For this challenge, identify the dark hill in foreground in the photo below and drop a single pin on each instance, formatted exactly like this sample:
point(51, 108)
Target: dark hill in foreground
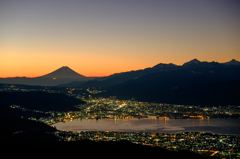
point(90, 149)
point(40, 101)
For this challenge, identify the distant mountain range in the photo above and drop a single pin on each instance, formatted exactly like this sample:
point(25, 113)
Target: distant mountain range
point(197, 86)
point(119, 78)
point(66, 77)
point(195, 82)
point(62, 75)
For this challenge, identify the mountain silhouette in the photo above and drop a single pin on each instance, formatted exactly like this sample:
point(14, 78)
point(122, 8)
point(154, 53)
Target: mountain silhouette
point(62, 75)
point(66, 77)
point(63, 72)
point(119, 78)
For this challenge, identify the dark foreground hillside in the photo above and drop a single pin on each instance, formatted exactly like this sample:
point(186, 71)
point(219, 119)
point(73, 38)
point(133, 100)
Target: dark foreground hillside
point(40, 101)
point(90, 149)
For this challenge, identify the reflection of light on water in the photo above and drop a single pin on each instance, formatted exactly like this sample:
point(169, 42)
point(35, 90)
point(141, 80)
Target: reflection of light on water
point(147, 125)
point(166, 121)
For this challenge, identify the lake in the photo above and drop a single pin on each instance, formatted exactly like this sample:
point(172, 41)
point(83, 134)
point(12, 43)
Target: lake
point(213, 125)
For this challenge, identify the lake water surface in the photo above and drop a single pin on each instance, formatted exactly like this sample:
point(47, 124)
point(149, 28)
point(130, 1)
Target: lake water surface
point(217, 126)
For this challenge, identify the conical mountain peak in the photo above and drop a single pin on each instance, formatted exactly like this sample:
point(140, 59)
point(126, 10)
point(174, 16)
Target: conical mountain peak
point(64, 67)
point(63, 72)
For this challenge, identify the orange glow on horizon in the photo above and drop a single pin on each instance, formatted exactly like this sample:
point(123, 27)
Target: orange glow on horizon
point(31, 71)
point(19, 62)
point(98, 39)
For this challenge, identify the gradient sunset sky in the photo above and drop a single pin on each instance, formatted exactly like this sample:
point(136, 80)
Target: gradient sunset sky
point(102, 37)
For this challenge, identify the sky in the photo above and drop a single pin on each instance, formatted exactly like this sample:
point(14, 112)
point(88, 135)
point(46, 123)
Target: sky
point(103, 37)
